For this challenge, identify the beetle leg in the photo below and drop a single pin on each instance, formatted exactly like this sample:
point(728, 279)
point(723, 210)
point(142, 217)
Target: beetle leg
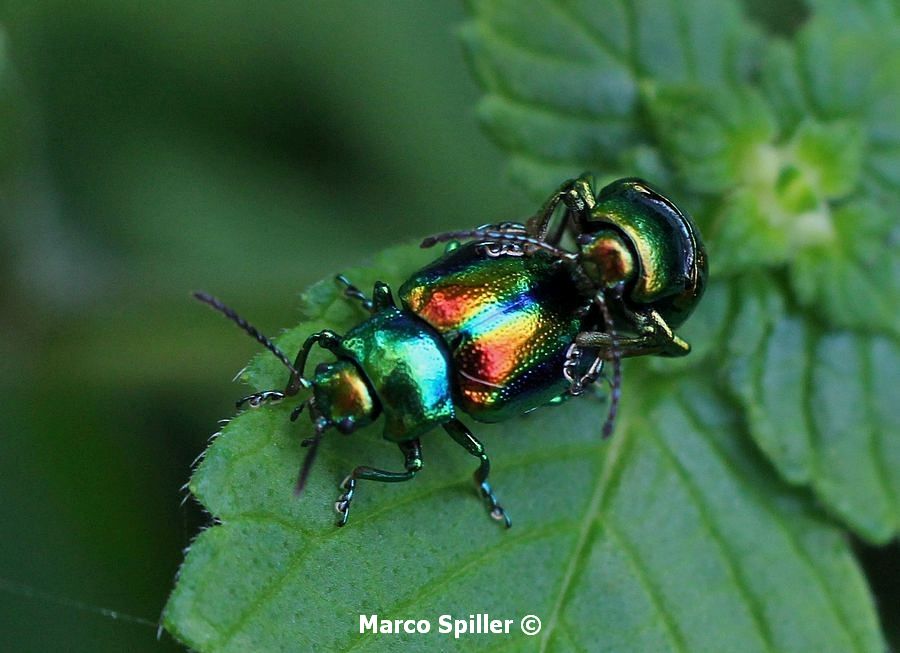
point(412, 454)
point(463, 436)
point(382, 297)
point(577, 195)
point(656, 338)
point(328, 340)
point(579, 381)
point(500, 248)
point(653, 324)
point(257, 399)
point(632, 346)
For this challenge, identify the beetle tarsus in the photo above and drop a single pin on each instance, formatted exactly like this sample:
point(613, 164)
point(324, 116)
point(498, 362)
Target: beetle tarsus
point(257, 399)
point(342, 505)
point(499, 514)
point(495, 510)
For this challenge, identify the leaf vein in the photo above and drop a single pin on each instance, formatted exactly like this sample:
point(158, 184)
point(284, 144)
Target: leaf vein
point(779, 521)
point(555, 111)
point(644, 579)
point(514, 43)
point(595, 38)
point(734, 570)
point(610, 465)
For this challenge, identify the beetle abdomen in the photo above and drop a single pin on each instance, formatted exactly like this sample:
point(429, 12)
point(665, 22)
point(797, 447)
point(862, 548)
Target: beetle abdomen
point(509, 321)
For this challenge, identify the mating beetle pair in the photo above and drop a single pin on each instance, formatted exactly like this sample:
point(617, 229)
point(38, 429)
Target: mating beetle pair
point(502, 324)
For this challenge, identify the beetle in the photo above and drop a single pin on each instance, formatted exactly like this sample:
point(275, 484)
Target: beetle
point(501, 324)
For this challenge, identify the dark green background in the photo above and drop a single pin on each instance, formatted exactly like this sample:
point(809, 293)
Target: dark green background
point(150, 149)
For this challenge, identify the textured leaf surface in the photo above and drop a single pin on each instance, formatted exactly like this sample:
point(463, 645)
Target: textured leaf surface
point(563, 79)
point(818, 406)
point(793, 175)
point(673, 535)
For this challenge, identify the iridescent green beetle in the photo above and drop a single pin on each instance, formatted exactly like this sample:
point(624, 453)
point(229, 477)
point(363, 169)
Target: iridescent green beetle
point(502, 325)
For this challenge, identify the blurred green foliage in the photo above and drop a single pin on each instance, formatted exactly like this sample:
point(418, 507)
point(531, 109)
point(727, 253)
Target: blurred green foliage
point(150, 149)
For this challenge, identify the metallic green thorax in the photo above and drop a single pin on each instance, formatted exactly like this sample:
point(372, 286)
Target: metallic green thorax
point(671, 260)
point(509, 320)
point(409, 366)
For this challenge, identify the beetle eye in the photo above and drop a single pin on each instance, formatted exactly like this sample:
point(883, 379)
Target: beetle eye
point(606, 258)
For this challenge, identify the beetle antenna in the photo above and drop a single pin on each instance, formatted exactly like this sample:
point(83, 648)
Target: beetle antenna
point(232, 315)
point(492, 234)
point(616, 357)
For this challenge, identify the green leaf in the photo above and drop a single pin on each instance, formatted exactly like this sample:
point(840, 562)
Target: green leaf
point(712, 136)
point(704, 331)
point(857, 14)
point(830, 154)
point(835, 73)
point(745, 236)
point(851, 279)
point(817, 405)
point(673, 535)
point(563, 78)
